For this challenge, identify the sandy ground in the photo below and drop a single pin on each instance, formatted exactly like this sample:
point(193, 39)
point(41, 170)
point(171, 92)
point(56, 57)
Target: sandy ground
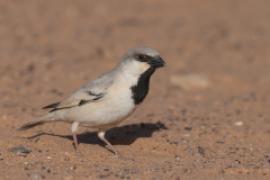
point(206, 117)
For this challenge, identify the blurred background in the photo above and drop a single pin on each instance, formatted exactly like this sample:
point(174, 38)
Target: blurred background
point(207, 114)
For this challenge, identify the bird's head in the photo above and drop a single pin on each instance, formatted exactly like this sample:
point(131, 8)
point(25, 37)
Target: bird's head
point(140, 60)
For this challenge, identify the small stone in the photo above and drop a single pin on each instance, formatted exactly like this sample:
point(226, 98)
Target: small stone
point(201, 151)
point(238, 123)
point(68, 178)
point(20, 150)
point(220, 142)
point(35, 176)
point(106, 169)
point(190, 81)
point(72, 168)
point(186, 135)
point(188, 128)
point(49, 157)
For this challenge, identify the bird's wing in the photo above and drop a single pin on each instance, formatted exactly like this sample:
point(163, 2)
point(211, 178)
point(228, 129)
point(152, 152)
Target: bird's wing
point(91, 92)
point(77, 99)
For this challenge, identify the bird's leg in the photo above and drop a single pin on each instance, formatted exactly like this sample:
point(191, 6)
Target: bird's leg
point(101, 135)
point(74, 128)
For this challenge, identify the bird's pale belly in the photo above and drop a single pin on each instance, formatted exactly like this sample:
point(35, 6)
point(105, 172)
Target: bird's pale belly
point(109, 111)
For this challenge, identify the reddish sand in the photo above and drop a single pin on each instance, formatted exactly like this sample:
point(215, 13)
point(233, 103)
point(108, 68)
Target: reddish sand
point(207, 114)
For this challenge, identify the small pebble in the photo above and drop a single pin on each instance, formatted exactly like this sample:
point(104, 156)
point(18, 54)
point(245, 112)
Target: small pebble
point(201, 151)
point(190, 81)
point(186, 135)
point(20, 150)
point(188, 128)
point(68, 178)
point(49, 157)
point(177, 158)
point(238, 123)
point(72, 168)
point(35, 176)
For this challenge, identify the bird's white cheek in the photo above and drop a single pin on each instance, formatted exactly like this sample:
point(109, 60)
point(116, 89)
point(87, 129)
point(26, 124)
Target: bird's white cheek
point(144, 67)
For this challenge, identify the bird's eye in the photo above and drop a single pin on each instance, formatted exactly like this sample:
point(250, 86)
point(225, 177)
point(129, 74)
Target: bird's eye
point(143, 57)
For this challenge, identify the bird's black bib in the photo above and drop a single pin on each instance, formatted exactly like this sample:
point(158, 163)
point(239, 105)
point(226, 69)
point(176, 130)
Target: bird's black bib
point(140, 90)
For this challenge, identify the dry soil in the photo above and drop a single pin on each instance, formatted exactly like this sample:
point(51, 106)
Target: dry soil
point(207, 114)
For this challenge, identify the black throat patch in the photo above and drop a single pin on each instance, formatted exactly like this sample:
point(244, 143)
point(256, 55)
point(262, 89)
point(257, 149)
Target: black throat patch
point(140, 90)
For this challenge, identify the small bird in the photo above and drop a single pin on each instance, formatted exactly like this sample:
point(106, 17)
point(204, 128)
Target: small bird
point(108, 100)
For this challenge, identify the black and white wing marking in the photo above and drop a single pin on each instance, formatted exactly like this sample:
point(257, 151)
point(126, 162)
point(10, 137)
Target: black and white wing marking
point(77, 99)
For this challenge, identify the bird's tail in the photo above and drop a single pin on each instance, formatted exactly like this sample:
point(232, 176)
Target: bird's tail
point(36, 122)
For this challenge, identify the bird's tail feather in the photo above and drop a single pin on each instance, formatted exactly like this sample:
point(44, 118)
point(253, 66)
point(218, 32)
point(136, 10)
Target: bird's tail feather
point(36, 122)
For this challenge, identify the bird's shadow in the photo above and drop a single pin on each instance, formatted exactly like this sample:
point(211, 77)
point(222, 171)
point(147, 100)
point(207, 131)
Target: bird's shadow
point(123, 135)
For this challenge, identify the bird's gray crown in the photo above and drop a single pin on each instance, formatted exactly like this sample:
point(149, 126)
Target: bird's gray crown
point(135, 52)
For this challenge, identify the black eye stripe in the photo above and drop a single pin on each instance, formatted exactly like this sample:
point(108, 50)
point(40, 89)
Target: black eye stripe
point(143, 57)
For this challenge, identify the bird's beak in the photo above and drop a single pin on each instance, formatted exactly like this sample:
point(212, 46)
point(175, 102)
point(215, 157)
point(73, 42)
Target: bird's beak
point(157, 62)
